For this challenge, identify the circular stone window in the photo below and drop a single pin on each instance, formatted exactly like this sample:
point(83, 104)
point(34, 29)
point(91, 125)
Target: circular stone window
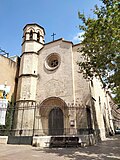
point(52, 62)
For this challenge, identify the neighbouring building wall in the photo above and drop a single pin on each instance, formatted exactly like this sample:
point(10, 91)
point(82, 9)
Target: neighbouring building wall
point(102, 108)
point(8, 74)
point(115, 114)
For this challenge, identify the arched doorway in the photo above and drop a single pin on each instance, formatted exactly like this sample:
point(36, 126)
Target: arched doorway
point(54, 110)
point(56, 121)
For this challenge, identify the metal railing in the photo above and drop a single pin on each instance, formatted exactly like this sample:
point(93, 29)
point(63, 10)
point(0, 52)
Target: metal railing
point(10, 128)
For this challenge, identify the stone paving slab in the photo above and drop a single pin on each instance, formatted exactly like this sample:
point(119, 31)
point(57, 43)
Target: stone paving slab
point(107, 150)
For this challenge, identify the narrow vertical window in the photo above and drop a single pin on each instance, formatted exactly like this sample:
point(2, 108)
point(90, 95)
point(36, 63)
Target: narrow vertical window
point(31, 35)
point(38, 37)
point(99, 101)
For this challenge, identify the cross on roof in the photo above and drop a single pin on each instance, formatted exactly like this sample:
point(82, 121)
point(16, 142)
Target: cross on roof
point(53, 35)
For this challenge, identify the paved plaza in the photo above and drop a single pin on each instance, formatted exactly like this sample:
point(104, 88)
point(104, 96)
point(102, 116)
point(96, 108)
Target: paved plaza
point(107, 150)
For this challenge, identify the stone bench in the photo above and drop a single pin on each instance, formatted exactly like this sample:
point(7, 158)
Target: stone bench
point(65, 142)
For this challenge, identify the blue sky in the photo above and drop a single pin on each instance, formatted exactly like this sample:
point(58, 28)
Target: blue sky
point(58, 16)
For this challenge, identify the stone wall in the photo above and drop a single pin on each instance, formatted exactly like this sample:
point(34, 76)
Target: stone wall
point(58, 82)
point(81, 85)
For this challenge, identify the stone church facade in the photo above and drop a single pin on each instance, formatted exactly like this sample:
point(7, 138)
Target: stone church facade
point(53, 97)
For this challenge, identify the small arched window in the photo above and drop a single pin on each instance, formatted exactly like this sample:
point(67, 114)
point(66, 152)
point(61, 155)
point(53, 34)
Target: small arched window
point(31, 35)
point(38, 36)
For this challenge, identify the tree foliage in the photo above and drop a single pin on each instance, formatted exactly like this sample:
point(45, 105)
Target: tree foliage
point(101, 45)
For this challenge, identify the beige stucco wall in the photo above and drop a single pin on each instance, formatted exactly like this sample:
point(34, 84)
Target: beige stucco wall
point(8, 69)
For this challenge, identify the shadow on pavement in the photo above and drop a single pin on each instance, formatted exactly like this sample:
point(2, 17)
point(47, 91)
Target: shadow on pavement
point(107, 150)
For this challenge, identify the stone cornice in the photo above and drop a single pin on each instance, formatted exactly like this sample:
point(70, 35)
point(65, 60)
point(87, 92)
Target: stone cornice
point(29, 53)
point(28, 75)
point(61, 39)
point(31, 41)
point(25, 100)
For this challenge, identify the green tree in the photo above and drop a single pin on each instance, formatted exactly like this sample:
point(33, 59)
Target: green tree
point(101, 45)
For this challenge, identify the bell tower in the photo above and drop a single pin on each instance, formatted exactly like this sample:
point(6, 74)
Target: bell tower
point(33, 41)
